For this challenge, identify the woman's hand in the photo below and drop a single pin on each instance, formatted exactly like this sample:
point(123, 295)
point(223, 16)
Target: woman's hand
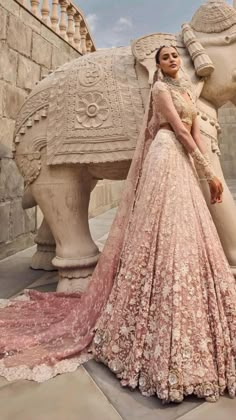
point(216, 189)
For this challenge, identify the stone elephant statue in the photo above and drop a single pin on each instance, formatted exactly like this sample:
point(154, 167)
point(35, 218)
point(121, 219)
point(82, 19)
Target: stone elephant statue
point(81, 123)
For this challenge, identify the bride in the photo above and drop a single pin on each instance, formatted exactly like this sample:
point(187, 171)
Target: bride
point(160, 309)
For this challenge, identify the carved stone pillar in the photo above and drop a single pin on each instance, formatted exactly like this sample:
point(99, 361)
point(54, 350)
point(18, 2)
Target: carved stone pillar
point(63, 21)
point(89, 45)
point(83, 33)
point(77, 36)
point(35, 7)
point(70, 30)
point(45, 10)
point(54, 16)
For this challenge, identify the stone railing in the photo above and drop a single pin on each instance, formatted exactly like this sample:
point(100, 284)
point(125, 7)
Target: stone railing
point(65, 19)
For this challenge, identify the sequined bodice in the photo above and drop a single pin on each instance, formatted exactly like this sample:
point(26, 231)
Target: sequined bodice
point(186, 108)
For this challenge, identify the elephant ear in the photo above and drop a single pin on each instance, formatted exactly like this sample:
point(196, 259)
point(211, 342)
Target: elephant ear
point(144, 50)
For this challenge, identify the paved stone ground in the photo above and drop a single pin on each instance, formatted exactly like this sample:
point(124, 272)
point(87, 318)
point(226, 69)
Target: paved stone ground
point(92, 392)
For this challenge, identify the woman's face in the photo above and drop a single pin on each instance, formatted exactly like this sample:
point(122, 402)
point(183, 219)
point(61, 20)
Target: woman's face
point(169, 61)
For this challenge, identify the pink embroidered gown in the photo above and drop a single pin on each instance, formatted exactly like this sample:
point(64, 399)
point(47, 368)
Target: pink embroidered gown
point(162, 300)
point(169, 326)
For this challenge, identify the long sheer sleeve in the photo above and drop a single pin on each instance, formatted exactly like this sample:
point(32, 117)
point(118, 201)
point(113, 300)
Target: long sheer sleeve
point(196, 134)
point(164, 105)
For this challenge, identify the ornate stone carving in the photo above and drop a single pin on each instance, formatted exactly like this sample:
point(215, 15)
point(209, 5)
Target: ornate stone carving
point(90, 74)
point(35, 103)
point(29, 162)
point(92, 110)
point(28, 153)
point(29, 166)
point(214, 16)
point(146, 46)
point(201, 60)
point(93, 116)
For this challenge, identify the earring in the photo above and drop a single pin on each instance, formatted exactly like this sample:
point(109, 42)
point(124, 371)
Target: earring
point(155, 76)
point(160, 74)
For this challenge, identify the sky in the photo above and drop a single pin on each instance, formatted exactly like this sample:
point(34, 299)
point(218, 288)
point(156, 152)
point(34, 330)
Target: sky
point(115, 23)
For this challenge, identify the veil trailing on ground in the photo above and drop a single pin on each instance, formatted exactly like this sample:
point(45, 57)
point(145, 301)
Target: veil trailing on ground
point(44, 334)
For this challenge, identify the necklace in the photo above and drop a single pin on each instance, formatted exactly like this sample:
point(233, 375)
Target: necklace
point(181, 85)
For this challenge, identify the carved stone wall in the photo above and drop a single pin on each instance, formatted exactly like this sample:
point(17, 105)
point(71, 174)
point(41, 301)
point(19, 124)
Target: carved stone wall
point(227, 140)
point(28, 51)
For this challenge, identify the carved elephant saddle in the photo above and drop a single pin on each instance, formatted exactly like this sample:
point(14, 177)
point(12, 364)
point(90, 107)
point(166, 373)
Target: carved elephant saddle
point(93, 108)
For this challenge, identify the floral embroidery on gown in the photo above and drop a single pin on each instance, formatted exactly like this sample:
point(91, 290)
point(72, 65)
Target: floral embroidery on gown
point(170, 323)
point(169, 326)
point(162, 300)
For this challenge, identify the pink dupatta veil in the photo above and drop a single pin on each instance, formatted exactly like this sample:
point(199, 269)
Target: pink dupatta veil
point(49, 333)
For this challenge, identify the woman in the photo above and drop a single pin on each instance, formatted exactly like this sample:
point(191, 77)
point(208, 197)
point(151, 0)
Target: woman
point(160, 309)
point(170, 323)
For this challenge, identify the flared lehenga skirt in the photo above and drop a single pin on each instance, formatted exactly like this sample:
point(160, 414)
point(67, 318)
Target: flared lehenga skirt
point(169, 326)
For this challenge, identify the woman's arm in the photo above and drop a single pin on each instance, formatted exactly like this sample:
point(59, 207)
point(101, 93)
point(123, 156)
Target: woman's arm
point(165, 105)
point(196, 135)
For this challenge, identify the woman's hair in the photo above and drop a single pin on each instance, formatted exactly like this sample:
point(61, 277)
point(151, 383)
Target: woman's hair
point(157, 56)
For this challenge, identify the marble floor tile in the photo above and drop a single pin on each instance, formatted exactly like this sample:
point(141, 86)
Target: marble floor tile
point(131, 404)
point(224, 409)
point(73, 396)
